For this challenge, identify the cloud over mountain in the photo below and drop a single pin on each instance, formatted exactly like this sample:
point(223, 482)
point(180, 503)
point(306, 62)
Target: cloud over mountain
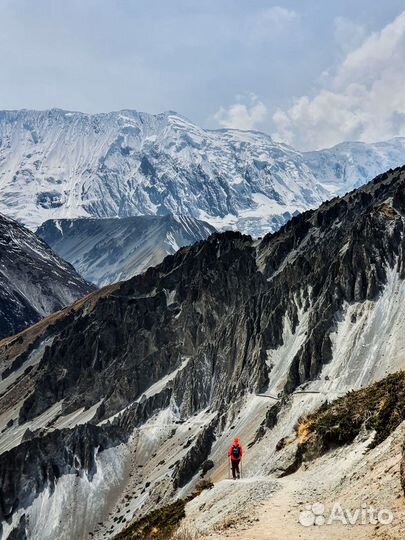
point(362, 100)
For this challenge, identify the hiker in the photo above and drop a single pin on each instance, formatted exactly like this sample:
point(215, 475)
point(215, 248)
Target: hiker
point(235, 453)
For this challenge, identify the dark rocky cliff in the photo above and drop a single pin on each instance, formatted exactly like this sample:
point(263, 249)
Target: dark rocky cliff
point(34, 281)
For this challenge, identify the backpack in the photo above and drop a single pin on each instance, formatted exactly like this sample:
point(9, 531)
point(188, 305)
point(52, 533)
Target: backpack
point(236, 451)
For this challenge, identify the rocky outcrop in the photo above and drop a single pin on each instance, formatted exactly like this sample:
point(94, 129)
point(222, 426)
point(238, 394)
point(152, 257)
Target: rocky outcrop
point(288, 460)
point(341, 252)
point(138, 327)
point(195, 458)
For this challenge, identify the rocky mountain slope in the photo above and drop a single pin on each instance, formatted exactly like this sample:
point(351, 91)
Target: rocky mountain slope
point(34, 281)
point(56, 164)
point(120, 400)
point(104, 251)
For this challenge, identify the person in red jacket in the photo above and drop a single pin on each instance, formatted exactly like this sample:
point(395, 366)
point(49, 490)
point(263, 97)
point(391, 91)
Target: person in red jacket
point(235, 453)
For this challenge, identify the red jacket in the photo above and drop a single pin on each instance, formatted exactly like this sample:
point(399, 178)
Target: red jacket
point(230, 454)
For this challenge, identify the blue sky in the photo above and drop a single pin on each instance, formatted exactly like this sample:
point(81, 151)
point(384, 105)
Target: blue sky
point(309, 72)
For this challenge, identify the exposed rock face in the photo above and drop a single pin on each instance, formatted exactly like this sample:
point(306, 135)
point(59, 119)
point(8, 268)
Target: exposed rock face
point(20, 532)
point(104, 251)
point(42, 461)
point(196, 457)
point(158, 319)
point(34, 281)
point(288, 460)
point(195, 336)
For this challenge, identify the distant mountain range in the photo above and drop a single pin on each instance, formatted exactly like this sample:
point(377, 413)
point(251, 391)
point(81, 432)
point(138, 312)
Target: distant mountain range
point(104, 251)
point(349, 165)
point(56, 164)
point(34, 281)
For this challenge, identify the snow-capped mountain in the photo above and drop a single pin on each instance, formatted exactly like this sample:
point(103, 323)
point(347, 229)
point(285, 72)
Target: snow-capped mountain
point(349, 165)
point(34, 281)
point(104, 251)
point(56, 164)
point(132, 394)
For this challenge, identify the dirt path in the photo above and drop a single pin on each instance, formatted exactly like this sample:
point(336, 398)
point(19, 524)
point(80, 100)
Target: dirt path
point(265, 508)
point(278, 519)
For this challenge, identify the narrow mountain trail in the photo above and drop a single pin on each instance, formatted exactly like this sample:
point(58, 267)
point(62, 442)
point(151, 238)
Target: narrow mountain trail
point(347, 482)
point(278, 519)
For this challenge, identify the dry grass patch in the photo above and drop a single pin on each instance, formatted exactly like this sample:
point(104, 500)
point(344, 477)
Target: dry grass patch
point(160, 524)
point(379, 407)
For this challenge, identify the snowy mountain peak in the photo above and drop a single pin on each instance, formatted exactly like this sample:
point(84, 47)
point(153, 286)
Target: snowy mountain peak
point(349, 165)
point(63, 164)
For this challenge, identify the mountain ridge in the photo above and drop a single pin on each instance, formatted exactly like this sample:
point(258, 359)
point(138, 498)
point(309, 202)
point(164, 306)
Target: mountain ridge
point(34, 280)
point(56, 164)
point(107, 250)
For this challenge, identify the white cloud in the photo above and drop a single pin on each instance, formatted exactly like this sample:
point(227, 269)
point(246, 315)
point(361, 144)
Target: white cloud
point(246, 113)
point(363, 100)
point(348, 34)
point(270, 24)
point(278, 17)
